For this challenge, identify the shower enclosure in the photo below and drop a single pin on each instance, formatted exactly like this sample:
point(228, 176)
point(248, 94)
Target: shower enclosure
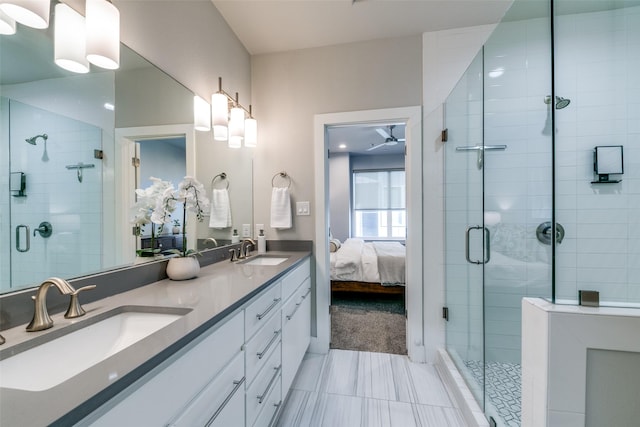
point(526, 214)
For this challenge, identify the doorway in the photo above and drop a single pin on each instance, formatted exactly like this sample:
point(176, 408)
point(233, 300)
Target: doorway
point(412, 117)
point(367, 223)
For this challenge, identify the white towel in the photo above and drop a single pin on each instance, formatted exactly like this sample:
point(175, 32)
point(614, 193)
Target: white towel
point(220, 209)
point(280, 208)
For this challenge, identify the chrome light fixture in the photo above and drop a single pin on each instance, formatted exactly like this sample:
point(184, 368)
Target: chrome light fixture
point(32, 13)
point(7, 24)
point(201, 114)
point(70, 36)
point(228, 120)
point(103, 34)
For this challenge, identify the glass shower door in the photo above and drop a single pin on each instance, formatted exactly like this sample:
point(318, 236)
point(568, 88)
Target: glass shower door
point(464, 229)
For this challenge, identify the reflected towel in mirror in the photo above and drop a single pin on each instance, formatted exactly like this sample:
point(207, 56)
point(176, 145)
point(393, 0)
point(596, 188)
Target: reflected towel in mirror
point(280, 208)
point(220, 209)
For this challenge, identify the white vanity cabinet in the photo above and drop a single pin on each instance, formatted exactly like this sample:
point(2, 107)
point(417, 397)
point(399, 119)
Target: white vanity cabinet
point(234, 375)
point(199, 382)
point(296, 321)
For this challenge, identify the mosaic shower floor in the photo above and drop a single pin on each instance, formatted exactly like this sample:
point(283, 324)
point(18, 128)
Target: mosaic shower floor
point(503, 389)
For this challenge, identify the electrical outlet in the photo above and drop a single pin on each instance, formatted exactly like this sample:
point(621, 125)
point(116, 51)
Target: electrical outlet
point(246, 230)
point(302, 208)
point(258, 228)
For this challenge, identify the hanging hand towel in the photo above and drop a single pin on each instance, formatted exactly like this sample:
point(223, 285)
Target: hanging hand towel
point(280, 208)
point(220, 209)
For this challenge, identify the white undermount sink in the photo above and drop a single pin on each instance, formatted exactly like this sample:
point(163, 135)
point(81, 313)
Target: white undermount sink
point(87, 343)
point(266, 260)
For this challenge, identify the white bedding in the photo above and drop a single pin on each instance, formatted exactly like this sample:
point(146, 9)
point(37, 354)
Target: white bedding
point(357, 261)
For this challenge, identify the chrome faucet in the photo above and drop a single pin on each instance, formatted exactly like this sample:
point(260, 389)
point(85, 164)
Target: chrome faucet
point(41, 319)
point(244, 251)
point(211, 239)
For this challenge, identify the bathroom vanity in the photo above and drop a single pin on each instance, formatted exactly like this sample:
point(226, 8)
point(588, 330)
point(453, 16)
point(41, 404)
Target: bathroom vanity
point(220, 350)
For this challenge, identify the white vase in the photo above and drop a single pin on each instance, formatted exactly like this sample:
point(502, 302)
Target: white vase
point(183, 268)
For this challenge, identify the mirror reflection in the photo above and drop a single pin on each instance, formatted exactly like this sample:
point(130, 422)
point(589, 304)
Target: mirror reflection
point(67, 169)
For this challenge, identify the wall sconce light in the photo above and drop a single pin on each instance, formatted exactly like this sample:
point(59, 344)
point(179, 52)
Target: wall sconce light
point(201, 114)
point(103, 34)
point(229, 124)
point(7, 24)
point(70, 35)
point(32, 13)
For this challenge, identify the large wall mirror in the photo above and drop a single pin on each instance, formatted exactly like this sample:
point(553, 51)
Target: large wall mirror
point(67, 179)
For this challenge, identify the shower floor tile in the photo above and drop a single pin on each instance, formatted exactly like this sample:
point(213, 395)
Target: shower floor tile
point(503, 390)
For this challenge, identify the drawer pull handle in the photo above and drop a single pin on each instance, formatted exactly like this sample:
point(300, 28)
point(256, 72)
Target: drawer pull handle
point(298, 304)
point(226, 400)
point(273, 304)
point(273, 418)
point(276, 334)
point(273, 380)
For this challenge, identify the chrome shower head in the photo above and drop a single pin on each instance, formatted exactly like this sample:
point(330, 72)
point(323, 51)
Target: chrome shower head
point(562, 102)
point(33, 139)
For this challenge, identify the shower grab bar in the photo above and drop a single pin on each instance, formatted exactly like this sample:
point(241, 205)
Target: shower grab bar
point(28, 234)
point(487, 243)
point(481, 147)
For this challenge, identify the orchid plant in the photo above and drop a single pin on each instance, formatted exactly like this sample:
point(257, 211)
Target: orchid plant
point(191, 194)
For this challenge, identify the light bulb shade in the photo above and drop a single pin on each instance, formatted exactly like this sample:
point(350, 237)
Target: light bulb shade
point(103, 34)
point(220, 133)
point(235, 141)
point(250, 132)
point(7, 24)
point(201, 114)
point(219, 109)
point(70, 37)
point(32, 13)
point(236, 123)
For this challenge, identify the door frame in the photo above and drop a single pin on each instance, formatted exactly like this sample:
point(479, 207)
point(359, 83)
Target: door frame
point(125, 179)
point(412, 116)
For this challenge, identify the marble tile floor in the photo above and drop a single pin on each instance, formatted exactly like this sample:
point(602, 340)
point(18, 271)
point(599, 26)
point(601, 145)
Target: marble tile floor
point(361, 389)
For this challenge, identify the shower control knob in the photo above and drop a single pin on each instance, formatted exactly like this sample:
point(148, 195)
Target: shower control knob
point(45, 229)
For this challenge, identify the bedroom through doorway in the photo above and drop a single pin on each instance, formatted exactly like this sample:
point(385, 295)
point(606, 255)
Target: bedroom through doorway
point(368, 229)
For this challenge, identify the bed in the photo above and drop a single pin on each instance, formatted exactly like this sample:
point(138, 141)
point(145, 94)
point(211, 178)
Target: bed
point(367, 267)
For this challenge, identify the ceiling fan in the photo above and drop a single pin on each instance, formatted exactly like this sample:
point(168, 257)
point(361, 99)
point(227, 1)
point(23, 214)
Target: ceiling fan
point(389, 139)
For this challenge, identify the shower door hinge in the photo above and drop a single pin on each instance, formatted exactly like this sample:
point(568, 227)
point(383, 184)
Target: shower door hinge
point(445, 135)
point(135, 162)
point(445, 313)
point(406, 314)
point(98, 154)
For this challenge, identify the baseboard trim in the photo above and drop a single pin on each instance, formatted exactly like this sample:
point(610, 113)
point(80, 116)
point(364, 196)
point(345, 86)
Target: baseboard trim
point(458, 390)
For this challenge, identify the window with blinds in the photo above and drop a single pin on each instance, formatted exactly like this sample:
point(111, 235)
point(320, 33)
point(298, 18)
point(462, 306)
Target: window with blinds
point(379, 204)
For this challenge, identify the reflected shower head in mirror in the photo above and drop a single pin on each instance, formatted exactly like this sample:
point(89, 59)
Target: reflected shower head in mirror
point(561, 102)
point(33, 139)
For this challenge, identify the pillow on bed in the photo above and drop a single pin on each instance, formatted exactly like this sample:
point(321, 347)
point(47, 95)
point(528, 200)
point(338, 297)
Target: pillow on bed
point(334, 245)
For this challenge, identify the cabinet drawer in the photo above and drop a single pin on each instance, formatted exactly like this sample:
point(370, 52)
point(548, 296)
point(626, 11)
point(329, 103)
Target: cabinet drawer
point(260, 347)
point(212, 405)
point(268, 415)
point(167, 390)
point(261, 309)
point(290, 309)
point(267, 379)
point(294, 278)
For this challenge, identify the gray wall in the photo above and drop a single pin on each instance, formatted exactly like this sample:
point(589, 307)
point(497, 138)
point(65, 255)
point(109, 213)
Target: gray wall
point(290, 88)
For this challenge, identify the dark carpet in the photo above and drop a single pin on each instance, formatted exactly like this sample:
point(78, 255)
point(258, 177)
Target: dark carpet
point(368, 323)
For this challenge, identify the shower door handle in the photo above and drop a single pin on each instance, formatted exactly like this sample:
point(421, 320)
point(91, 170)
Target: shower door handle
point(486, 243)
point(28, 234)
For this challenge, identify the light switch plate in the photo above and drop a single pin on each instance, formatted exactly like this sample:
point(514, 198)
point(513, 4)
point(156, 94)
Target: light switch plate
point(246, 230)
point(302, 208)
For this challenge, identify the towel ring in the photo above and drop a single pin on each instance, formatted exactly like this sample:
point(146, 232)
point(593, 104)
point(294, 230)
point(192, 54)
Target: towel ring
point(282, 175)
point(220, 177)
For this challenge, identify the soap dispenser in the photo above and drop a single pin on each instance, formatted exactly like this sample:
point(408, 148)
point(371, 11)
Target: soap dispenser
point(235, 238)
point(262, 242)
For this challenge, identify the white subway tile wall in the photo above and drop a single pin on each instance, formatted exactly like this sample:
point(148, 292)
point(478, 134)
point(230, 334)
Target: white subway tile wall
point(54, 194)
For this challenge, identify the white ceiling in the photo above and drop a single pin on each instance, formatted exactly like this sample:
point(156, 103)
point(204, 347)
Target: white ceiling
point(358, 139)
point(266, 26)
